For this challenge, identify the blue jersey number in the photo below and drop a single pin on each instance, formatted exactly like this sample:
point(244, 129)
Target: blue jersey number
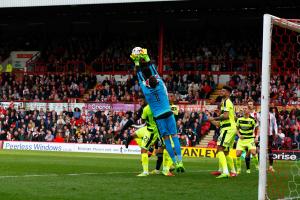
point(156, 96)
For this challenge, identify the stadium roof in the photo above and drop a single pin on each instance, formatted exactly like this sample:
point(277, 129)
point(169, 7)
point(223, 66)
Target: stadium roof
point(204, 4)
point(147, 10)
point(33, 3)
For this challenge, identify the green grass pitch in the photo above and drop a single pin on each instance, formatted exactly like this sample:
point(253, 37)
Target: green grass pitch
point(77, 176)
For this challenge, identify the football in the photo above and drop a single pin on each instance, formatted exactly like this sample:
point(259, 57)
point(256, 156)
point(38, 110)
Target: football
point(136, 51)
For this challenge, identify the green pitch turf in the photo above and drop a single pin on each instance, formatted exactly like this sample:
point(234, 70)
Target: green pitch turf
point(83, 176)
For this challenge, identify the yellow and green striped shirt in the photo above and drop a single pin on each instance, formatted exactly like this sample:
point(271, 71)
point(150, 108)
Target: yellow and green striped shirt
point(246, 126)
point(147, 116)
point(227, 106)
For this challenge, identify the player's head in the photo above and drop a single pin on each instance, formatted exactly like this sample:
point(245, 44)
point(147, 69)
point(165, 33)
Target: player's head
point(142, 100)
point(171, 97)
point(153, 82)
point(246, 110)
point(145, 70)
point(226, 91)
point(251, 104)
point(128, 114)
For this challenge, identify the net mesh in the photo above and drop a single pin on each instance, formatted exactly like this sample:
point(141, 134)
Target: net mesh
point(284, 183)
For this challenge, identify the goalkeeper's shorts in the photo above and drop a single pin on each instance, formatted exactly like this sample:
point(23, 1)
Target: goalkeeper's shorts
point(167, 126)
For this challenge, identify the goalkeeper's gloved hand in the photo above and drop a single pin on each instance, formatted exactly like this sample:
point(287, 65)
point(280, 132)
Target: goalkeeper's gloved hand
point(143, 55)
point(135, 59)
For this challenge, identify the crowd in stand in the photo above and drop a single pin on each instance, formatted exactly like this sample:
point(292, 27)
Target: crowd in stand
point(45, 87)
point(193, 54)
point(284, 89)
point(189, 87)
point(288, 123)
point(82, 126)
point(106, 52)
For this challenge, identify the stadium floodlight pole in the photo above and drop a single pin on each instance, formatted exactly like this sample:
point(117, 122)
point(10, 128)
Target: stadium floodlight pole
point(269, 20)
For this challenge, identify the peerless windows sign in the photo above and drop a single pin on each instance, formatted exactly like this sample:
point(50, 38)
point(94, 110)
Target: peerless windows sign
point(133, 149)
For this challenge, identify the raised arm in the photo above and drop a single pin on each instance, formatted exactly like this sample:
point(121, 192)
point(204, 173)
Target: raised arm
point(140, 77)
point(153, 70)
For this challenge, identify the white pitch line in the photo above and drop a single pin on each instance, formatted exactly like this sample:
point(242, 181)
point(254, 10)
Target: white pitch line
point(80, 174)
point(38, 175)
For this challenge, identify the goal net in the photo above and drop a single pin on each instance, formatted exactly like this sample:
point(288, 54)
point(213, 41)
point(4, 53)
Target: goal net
point(280, 91)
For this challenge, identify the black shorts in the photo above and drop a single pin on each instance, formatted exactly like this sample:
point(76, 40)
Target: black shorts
point(270, 141)
point(234, 145)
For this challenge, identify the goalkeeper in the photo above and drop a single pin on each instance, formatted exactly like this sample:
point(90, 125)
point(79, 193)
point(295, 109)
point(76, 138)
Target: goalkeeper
point(156, 95)
point(162, 155)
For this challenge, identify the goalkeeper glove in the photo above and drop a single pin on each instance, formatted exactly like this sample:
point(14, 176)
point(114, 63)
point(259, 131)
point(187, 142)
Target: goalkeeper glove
point(135, 59)
point(143, 55)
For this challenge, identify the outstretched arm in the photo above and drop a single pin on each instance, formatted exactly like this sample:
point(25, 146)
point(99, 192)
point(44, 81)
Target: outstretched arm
point(154, 71)
point(140, 77)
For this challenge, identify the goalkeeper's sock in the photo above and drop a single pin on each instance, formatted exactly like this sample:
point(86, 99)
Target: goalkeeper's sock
point(145, 162)
point(255, 160)
point(177, 147)
point(222, 159)
point(239, 163)
point(247, 160)
point(230, 163)
point(159, 161)
point(170, 149)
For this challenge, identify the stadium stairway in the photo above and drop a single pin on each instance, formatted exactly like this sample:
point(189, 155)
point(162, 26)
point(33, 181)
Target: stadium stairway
point(216, 93)
point(86, 95)
point(206, 139)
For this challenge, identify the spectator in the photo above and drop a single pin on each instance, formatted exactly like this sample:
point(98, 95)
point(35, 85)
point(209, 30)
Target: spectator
point(49, 137)
point(59, 137)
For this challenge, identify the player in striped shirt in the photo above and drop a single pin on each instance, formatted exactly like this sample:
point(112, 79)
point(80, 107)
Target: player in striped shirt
point(246, 126)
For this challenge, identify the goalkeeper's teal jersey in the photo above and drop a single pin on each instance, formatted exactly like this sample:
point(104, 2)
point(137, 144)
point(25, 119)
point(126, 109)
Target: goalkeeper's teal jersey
point(157, 97)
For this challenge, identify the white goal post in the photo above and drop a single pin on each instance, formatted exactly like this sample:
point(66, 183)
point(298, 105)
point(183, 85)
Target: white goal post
point(268, 23)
